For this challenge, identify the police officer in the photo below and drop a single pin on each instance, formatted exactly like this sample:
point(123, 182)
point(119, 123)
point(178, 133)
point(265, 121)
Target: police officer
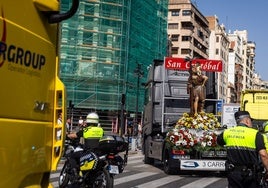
point(91, 133)
point(245, 146)
point(265, 134)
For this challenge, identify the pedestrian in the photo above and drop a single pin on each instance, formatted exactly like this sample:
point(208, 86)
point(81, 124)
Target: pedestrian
point(59, 120)
point(68, 125)
point(139, 135)
point(245, 152)
point(130, 125)
point(80, 121)
point(59, 131)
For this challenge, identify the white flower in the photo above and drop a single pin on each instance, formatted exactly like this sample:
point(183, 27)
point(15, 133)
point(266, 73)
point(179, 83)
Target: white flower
point(203, 144)
point(201, 125)
point(184, 142)
point(191, 143)
point(178, 143)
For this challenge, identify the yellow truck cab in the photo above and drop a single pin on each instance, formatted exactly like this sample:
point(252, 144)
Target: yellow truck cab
point(256, 103)
point(32, 95)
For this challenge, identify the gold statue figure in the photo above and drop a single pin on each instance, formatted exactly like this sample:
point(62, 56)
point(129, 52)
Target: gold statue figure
point(196, 89)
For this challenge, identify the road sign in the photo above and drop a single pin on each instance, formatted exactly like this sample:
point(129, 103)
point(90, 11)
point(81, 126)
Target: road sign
point(228, 111)
point(219, 107)
point(184, 64)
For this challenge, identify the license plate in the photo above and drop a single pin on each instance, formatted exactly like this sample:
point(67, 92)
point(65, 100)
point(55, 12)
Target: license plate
point(206, 165)
point(113, 169)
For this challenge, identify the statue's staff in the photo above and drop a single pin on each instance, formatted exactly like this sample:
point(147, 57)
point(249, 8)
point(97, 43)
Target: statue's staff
point(190, 86)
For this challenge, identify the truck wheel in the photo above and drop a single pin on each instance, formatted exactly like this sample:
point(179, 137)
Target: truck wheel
point(147, 160)
point(167, 167)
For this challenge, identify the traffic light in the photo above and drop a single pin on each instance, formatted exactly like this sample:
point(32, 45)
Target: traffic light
point(123, 99)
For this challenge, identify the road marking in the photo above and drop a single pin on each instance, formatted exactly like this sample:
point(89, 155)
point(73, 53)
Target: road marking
point(134, 161)
point(133, 177)
point(55, 175)
point(203, 181)
point(135, 156)
point(137, 159)
point(142, 166)
point(159, 182)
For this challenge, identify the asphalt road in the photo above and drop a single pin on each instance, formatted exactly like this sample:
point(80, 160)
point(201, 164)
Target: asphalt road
point(140, 175)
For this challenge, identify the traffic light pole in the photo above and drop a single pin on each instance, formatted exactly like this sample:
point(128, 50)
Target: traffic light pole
point(122, 119)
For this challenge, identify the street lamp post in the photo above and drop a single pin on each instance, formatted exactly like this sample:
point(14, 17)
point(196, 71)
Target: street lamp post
point(139, 73)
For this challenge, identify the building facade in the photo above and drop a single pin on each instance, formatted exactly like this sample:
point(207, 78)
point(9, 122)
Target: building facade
point(196, 36)
point(241, 62)
point(248, 55)
point(188, 30)
point(101, 48)
point(219, 50)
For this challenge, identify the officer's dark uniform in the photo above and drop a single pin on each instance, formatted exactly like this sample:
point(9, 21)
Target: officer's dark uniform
point(243, 144)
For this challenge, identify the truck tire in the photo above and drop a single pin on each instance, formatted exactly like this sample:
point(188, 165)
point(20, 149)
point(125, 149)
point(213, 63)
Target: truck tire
point(147, 159)
point(166, 163)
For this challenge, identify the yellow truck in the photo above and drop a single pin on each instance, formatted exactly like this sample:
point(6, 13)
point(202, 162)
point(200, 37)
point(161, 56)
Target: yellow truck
point(32, 95)
point(256, 103)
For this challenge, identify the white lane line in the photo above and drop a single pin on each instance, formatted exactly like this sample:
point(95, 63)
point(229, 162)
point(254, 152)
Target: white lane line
point(201, 182)
point(134, 161)
point(55, 175)
point(159, 182)
point(133, 177)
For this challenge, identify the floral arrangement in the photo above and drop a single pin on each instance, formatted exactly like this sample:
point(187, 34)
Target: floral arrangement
point(208, 141)
point(197, 132)
point(182, 138)
point(203, 121)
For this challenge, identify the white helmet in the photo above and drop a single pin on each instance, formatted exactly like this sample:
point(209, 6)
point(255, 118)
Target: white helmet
point(93, 118)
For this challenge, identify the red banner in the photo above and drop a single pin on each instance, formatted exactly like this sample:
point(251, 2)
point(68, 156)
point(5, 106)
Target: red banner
point(182, 64)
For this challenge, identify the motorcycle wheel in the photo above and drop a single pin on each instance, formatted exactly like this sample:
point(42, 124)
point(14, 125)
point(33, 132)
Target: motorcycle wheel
point(64, 177)
point(103, 179)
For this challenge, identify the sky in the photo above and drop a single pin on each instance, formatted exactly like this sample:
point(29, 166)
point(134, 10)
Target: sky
point(243, 15)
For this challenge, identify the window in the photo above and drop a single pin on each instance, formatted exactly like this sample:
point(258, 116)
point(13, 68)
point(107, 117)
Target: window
point(200, 34)
point(217, 39)
point(174, 37)
point(185, 51)
point(175, 12)
point(186, 12)
point(187, 25)
point(217, 51)
point(173, 26)
point(174, 51)
point(185, 38)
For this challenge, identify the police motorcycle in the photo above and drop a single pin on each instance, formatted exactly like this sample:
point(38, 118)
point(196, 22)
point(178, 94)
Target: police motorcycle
point(97, 168)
